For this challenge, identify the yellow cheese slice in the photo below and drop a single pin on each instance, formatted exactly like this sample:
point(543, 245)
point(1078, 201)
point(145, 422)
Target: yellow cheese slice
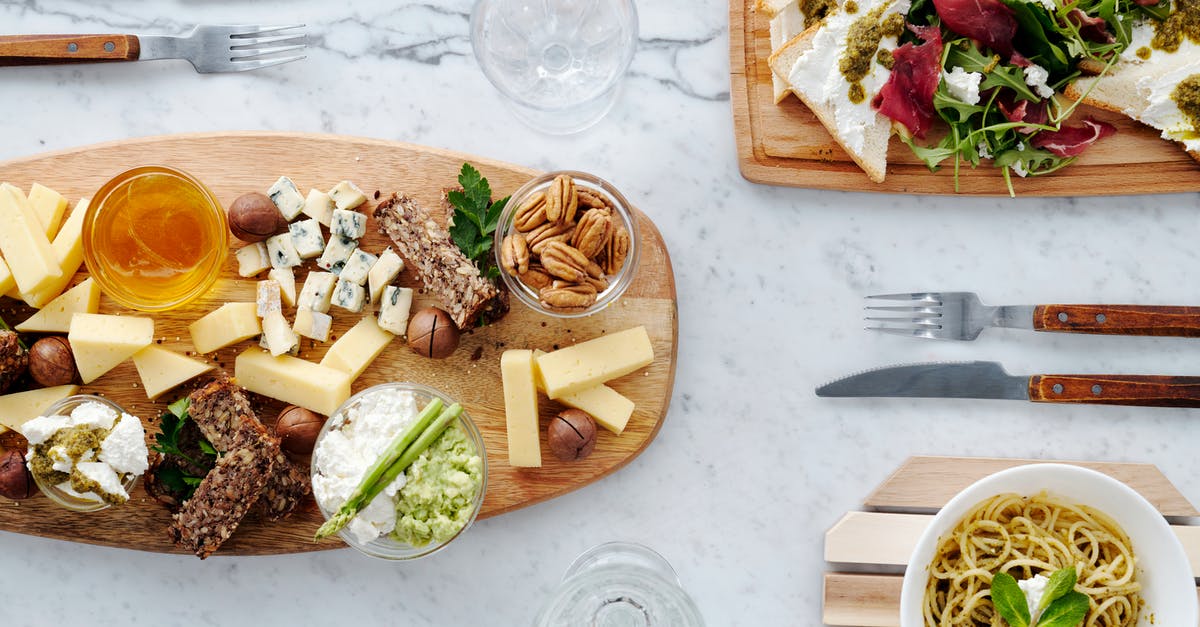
point(56, 316)
point(23, 242)
point(68, 251)
point(609, 407)
point(593, 362)
point(228, 324)
point(357, 348)
point(520, 409)
point(292, 380)
point(100, 341)
point(7, 282)
point(18, 408)
point(161, 369)
point(49, 206)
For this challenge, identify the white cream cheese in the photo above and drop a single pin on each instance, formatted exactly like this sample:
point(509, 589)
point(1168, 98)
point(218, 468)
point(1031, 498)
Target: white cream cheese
point(123, 450)
point(963, 85)
point(1140, 36)
point(1162, 112)
point(816, 73)
point(1034, 588)
point(1036, 77)
point(347, 451)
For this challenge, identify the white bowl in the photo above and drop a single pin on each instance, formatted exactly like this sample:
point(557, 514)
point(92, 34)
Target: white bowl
point(1168, 587)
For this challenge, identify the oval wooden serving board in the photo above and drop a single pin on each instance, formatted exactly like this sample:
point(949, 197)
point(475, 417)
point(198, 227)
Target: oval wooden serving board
point(236, 163)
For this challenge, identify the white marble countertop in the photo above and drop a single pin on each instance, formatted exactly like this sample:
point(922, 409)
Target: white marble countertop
point(750, 467)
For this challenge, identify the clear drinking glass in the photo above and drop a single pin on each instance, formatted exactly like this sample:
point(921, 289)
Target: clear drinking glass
point(620, 584)
point(558, 63)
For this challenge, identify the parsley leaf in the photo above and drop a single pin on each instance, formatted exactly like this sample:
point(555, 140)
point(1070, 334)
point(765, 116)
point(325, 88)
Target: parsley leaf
point(172, 476)
point(475, 219)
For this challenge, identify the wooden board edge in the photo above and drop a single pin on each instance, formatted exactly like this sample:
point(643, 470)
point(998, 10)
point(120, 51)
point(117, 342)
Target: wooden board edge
point(739, 91)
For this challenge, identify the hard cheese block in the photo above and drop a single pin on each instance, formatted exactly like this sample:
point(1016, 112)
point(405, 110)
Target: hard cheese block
point(18, 408)
point(68, 252)
point(56, 316)
point(101, 341)
point(610, 409)
point(24, 243)
point(357, 348)
point(520, 409)
point(161, 369)
point(228, 324)
point(292, 380)
point(49, 206)
point(593, 362)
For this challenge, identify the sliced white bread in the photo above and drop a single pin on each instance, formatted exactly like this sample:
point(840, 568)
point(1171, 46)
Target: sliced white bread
point(771, 8)
point(785, 25)
point(1141, 88)
point(809, 64)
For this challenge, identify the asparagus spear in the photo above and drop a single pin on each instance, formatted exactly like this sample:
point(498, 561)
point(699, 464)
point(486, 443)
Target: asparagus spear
point(376, 477)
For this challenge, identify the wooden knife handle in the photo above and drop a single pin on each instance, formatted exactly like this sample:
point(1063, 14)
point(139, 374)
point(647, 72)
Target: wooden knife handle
point(59, 49)
point(1116, 389)
point(1118, 319)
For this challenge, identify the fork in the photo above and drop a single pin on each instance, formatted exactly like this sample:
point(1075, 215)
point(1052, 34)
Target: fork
point(208, 48)
point(961, 316)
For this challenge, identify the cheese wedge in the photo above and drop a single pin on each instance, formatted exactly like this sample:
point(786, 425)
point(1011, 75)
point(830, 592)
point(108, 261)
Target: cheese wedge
point(292, 380)
point(357, 348)
point(228, 324)
point(520, 409)
point(68, 251)
point(24, 243)
point(7, 282)
point(100, 341)
point(593, 362)
point(161, 369)
point(56, 316)
point(607, 406)
point(49, 206)
point(18, 408)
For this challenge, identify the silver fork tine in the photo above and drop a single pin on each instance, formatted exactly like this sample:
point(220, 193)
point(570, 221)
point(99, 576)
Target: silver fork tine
point(910, 296)
point(908, 321)
point(262, 41)
point(238, 55)
point(933, 310)
point(241, 66)
point(241, 32)
point(904, 332)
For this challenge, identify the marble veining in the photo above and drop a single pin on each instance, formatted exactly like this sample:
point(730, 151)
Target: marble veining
point(750, 467)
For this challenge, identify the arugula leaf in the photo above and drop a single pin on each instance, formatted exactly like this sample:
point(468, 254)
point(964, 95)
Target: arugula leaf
point(995, 73)
point(1034, 32)
point(1009, 601)
point(1061, 582)
point(475, 218)
point(1068, 611)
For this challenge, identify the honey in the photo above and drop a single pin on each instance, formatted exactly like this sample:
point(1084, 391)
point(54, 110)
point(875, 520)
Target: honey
point(155, 238)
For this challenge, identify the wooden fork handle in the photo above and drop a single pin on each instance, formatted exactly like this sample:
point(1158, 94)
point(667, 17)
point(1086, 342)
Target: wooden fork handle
point(1116, 389)
point(1118, 319)
point(59, 49)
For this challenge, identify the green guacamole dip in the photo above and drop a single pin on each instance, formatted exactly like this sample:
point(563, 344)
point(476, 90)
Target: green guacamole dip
point(438, 498)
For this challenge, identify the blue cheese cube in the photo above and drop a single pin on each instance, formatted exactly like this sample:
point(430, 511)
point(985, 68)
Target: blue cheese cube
point(319, 206)
point(253, 259)
point(285, 196)
point(287, 284)
point(337, 252)
point(347, 195)
point(317, 292)
point(313, 324)
point(393, 309)
point(383, 272)
point(349, 296)
point(358, 266)
point(282, 251)
point(278, 336)
point(349, 224)
point(268, 298)
point(306, 236)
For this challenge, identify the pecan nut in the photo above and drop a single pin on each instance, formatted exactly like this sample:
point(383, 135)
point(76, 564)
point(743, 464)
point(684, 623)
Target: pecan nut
point(536, 277)
point(616, 251)
point(561, 200)
point(567, 263)
point(546, 233)
point(593, 231)
point(514, 254)
point(568, 296)
point(531, 214)
point(592, 199)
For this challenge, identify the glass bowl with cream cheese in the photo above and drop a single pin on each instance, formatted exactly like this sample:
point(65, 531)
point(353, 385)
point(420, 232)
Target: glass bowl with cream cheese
point(86, 452)
point(427, 506)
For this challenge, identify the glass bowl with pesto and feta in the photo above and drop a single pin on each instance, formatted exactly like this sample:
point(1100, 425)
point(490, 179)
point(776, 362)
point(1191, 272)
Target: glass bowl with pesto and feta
point(85, 452)
point(398, 471)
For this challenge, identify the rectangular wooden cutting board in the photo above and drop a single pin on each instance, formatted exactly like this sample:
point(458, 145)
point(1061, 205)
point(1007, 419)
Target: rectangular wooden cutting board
point(232, 164)
point(785, 144)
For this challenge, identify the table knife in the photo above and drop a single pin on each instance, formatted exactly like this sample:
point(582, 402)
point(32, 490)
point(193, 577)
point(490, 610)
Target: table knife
point(988, 379)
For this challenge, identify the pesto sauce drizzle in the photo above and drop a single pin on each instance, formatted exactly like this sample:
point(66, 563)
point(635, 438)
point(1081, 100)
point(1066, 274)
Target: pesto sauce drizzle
point(1183, 22)
point(815, 10)
point(862, 44)
point(1187, 97)
point(75, 441)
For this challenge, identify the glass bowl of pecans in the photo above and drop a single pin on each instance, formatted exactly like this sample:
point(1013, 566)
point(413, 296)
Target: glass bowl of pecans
point(567, 244)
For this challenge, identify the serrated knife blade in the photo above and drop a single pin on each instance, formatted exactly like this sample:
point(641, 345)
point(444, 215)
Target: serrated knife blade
point(989, 380)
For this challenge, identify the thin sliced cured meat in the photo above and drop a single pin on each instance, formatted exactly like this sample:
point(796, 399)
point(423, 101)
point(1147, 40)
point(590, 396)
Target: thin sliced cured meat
point(1071, 141)
point(907, 96)
point(989, 22)
point(1024, 111)
point(1091, 28)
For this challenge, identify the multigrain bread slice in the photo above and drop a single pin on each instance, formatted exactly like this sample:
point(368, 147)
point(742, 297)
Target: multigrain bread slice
point(871, 152)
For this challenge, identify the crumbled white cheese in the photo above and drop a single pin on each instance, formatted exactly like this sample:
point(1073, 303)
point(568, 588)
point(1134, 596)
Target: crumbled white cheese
point(984, 153)
point(1050, 6)
point(104, 476)
point(1034, 588)
point(123, 451)
point(1036, 77)
point(40, 429)
point(66, 488)
point(94, 414)
point(62, 461)
point(125, 447)
point(356, 439)
point(963, 85)
point(1019, 168)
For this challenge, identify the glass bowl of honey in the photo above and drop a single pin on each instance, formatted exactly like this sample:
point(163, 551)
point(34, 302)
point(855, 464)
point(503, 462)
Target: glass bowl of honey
point(155, 238)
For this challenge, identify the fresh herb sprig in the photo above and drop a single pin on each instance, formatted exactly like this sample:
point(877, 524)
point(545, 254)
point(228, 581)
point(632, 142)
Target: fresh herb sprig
point(167, 442)
point(1061, 605)
point(475, 219)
